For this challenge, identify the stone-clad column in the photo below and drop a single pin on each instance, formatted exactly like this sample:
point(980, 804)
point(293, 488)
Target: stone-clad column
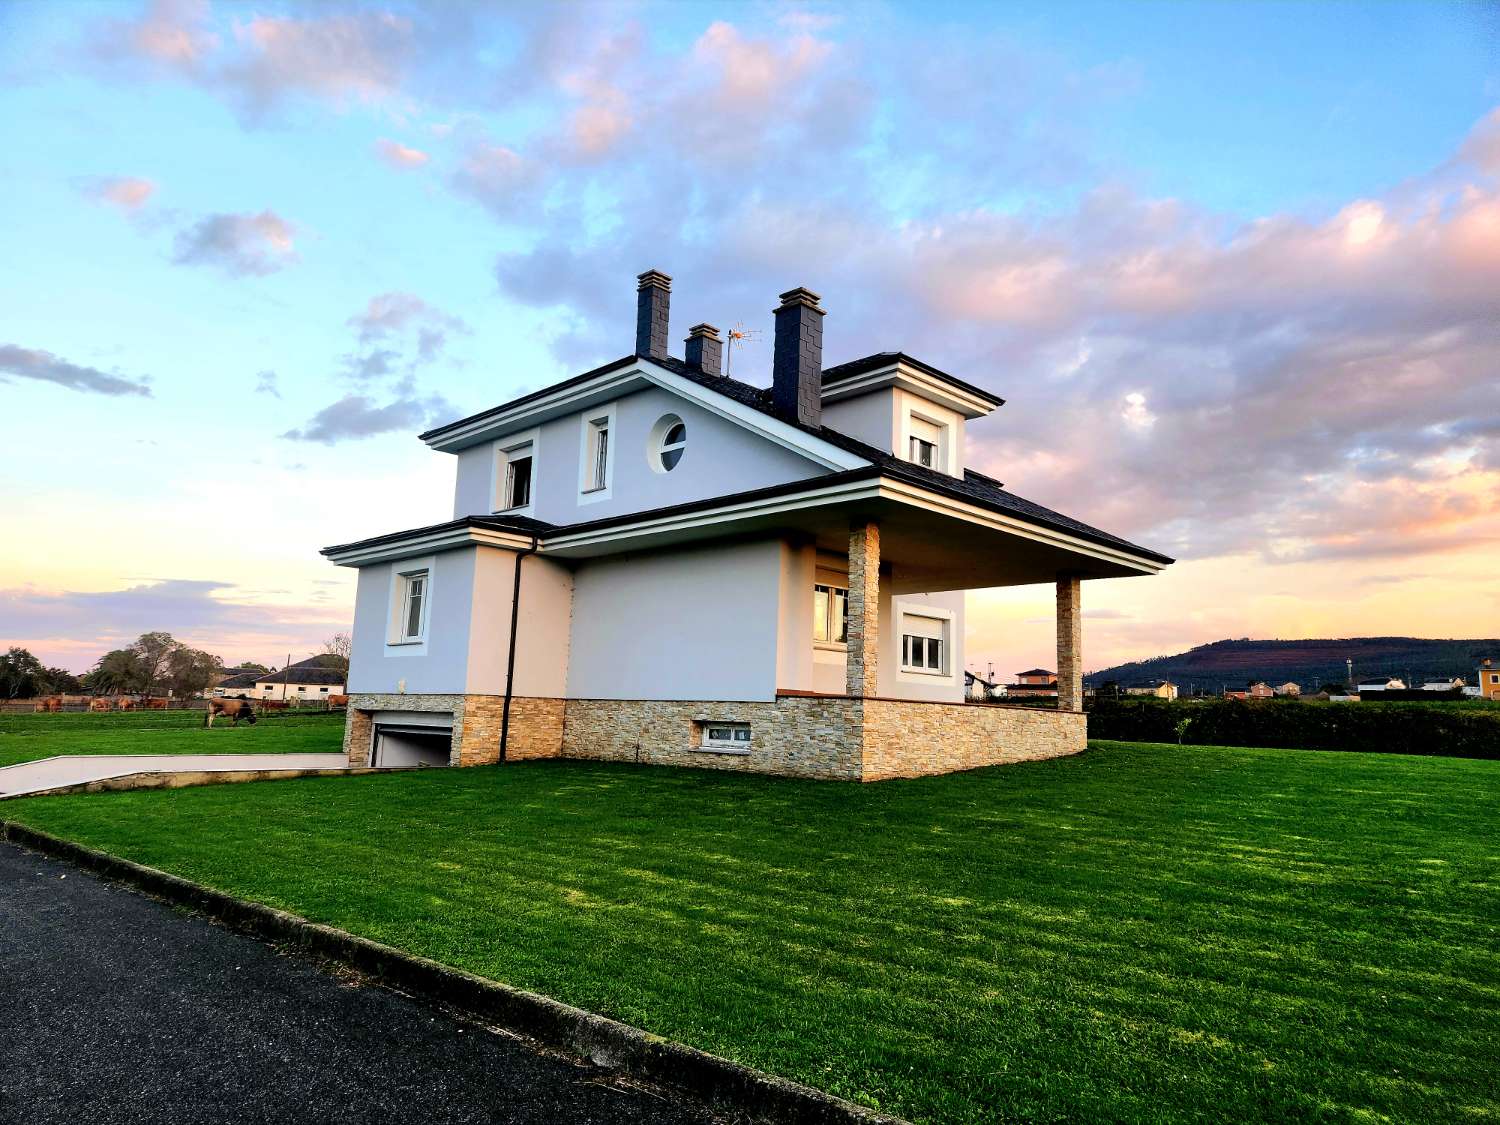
point(1069, 643)
point(863, 665)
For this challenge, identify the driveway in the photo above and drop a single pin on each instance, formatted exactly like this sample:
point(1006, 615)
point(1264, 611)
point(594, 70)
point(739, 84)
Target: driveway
point(120, 1009)
point(48, 773)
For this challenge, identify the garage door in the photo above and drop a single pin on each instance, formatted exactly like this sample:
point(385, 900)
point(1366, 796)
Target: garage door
point(407, 744)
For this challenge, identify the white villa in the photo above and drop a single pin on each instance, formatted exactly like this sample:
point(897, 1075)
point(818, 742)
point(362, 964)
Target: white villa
point(652, 562)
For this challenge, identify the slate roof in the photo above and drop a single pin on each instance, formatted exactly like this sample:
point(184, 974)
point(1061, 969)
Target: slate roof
point(243, 680)
point(974, 487)
point(309, 671)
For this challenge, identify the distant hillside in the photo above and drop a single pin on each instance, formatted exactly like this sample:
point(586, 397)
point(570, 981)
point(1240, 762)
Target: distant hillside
point(1308, 663)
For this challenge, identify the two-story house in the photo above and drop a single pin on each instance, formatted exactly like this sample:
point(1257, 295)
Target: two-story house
point(653, 562)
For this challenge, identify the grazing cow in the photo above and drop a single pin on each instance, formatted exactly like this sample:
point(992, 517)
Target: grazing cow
point(126, 704)
point(338, 701)
point(99, 705)
point(275, 704)
point(156, 704)
point(53, 703)
point(232, 709)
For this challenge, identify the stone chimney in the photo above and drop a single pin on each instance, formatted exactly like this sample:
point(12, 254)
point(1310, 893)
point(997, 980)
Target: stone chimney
point(797, 363)
point(705, 350)
point(652, 301)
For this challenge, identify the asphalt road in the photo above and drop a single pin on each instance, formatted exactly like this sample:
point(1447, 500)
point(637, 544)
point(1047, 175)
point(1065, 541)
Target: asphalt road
point(118, 1008)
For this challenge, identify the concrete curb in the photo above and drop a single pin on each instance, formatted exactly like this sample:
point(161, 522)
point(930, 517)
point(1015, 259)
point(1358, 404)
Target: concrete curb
point(604, 1042)
point(183, 779)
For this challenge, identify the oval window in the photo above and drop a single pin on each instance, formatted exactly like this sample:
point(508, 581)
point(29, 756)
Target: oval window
point(669, 440)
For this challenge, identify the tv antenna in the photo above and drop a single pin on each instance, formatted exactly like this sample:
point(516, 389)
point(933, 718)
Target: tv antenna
point(739, 334)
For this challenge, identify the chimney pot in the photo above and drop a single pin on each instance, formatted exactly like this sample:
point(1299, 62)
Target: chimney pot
point(797, 362)
point(653, 299)
point(705, 350)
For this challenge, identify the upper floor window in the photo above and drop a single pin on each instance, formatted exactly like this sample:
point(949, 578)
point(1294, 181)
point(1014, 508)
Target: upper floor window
point(831, 614)
point(413, 618)
point(517, 488)
point(925, 444)
point(597, 453)
point(668, 441)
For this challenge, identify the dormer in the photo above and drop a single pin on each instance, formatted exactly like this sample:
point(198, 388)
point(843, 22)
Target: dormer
point(905, 407)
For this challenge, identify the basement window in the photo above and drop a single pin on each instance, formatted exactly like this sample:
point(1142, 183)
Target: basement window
point(730, 737)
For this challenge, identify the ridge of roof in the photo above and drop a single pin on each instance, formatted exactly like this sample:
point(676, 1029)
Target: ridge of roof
point(877, 360)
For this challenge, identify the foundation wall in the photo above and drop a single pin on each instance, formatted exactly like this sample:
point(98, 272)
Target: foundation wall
point(825, 737)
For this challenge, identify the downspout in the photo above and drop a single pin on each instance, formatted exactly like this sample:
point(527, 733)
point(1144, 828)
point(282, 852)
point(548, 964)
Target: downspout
point(510, 662)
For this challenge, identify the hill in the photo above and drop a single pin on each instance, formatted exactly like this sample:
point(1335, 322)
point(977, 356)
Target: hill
point(1309, 663)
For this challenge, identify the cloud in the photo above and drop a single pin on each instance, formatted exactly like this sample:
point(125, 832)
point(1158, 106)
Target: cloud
point(356, 416)
point(265, 384)
point(241, 245)
point(129, 193)
point(30, 363)
point(389, 314)
point(498, 178)
point(399, 155)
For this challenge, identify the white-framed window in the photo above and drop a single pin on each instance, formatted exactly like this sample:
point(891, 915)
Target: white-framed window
point(726, 736)
point(514, 483)
point(667, 444)
point(411, 624)
point(925, 443)
point(830, 615)
point(301, 689)
point(924, 644)
point(324, 690)
point(597, 455)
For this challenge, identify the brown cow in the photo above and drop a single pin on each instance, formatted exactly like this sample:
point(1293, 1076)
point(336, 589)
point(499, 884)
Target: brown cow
point(338, 701)
point(99, 704)
point(156, 704)
point(232, 709)
point(126, 704)
point(275, 704)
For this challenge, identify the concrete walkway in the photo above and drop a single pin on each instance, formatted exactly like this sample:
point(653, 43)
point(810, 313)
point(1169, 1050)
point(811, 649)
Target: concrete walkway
point(49, 773)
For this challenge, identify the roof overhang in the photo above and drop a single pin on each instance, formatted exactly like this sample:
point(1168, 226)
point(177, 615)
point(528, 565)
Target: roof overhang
point(632, 374)
point(426, 541)
point(908, 376)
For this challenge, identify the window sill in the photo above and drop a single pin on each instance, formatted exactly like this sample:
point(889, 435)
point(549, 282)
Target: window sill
point(935, 673)
point(406, 643)
point(831, 646)
point(592, 491)
point(733, 750)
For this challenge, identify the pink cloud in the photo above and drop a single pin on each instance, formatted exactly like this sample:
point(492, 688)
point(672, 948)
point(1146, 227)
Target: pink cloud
point(129, 193)
point(241, 245)
point(400, 156)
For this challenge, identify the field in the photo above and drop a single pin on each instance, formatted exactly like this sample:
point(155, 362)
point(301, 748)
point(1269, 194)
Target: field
point(1140, 933)
point(25, 738)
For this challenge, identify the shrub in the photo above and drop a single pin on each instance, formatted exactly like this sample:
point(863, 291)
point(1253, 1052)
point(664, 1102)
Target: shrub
point(1455, 731)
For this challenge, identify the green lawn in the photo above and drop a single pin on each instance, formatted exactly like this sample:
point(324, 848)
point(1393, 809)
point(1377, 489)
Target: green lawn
point(25, 738)
point(1140, 933)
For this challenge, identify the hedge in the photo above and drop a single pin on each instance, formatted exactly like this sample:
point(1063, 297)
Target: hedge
point(1454, 731)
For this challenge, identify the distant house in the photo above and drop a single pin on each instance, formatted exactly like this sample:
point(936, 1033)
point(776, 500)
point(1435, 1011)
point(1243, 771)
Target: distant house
point(1161, 689)
point(1288, 688)
point(1034, 683)
point(241, 685)
point(1259, 690)
point(981, 690)
point(312, 678)
point(1455, 683)
point(1378, 684)
point(1489, 680)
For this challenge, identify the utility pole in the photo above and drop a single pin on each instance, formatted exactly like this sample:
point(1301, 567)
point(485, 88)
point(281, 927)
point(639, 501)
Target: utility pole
point(285, 671)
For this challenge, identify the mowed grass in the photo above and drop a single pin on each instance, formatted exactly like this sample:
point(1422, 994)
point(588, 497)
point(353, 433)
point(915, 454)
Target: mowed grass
point(1139, 933)
point(25, 738)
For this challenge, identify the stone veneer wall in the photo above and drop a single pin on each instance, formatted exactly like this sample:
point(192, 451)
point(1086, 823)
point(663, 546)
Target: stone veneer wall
point(910, 739)
point(536, 725)
point(828, 737)
point(796, 736)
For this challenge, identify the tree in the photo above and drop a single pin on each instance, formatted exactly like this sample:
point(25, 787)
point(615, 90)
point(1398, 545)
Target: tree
point(339, 647)
point(58, 681)
point(117, 671)
point(20, 673)
point(190, 671)
point(251, 666)
point(154, 650)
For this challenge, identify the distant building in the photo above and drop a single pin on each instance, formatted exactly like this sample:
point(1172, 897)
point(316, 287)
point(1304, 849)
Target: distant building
point(1379, 684)
point(1162, 689)
point(1489, 680)
point(977, 689)
point(1456, 683)
point(1260, 690)
point(1288, 688)
point(1034, 683)
point(307, 679)
point(241, 685)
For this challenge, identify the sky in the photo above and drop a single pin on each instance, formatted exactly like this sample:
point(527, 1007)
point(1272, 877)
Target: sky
point(1235, 269)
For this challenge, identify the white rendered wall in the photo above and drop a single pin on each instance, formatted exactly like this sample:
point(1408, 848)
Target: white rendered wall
point(681, 624)
point(896, 684)
point(440, 664)
point(721, 458)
